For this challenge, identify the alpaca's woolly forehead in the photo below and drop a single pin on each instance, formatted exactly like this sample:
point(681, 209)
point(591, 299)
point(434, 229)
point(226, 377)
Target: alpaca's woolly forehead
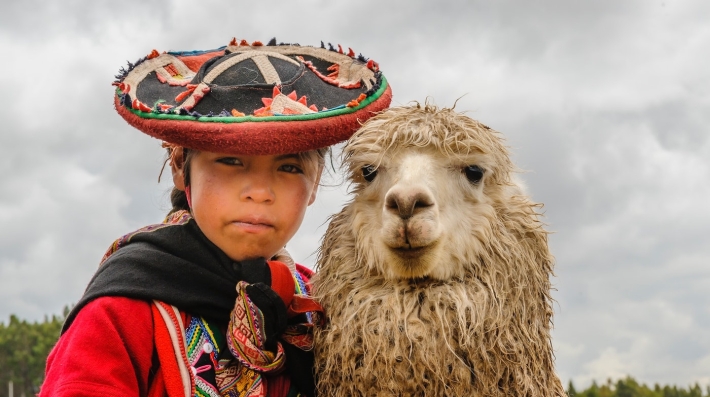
point(453, 134)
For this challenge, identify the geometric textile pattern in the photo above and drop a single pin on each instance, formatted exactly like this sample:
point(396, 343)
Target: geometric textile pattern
point(309, 96)
point(254, 370)
point(246, 339)
point(203, 350)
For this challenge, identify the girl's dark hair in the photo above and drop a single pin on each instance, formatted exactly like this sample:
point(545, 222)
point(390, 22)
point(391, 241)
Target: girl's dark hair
point(178, 198)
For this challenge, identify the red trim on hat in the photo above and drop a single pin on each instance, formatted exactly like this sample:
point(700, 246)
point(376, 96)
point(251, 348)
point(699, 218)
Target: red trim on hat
point(194, 62)
point(257, 138)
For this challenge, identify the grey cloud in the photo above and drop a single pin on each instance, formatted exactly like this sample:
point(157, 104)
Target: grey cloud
point(37, 21)
point(604, 104)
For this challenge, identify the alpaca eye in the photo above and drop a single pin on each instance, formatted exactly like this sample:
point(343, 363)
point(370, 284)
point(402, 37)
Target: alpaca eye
point(369, 173)
point(474, 173)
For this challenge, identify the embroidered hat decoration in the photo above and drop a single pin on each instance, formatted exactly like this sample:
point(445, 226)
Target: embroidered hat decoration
point(252, 99)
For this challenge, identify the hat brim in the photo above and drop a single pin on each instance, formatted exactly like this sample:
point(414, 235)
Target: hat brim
point(257, 135)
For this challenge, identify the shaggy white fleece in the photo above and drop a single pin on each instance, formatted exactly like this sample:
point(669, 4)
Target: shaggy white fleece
point(435, 278)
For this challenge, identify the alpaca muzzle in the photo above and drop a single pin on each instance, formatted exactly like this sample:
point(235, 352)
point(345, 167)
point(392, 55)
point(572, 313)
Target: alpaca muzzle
point(406, 201)
point(411, 220)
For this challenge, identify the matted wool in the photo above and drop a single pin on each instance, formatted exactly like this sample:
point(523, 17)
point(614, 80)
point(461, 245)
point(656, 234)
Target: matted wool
point(480, 328)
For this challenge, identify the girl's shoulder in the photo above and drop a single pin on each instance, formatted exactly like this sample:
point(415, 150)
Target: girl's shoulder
point(108, 350)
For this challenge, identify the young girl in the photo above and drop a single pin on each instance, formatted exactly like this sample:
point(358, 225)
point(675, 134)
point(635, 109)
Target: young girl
point(208, 303)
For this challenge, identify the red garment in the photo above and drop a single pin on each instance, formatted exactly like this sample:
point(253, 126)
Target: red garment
point(107, 351)
point(120, 346)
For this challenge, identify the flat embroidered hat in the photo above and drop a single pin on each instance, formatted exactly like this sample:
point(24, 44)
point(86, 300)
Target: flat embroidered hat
point(252, 99)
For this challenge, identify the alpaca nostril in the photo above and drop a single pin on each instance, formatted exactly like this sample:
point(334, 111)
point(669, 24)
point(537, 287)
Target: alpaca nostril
point(407, 205)
point(394, 204)
point(422, 200)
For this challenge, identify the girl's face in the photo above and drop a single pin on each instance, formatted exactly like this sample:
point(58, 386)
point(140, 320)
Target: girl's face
point(250, 206)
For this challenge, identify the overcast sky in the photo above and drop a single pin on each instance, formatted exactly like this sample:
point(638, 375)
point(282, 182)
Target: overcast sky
point(605, 104)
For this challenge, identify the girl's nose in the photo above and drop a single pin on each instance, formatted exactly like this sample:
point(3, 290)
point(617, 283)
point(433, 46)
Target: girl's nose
point(258, 189)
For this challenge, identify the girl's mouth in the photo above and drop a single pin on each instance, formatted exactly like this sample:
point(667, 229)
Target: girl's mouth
point(252, 225)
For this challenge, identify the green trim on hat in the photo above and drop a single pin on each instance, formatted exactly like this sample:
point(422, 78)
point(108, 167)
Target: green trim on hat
point(250, 118)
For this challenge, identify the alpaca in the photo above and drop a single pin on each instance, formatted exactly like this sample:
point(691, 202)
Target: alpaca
point(435, 278)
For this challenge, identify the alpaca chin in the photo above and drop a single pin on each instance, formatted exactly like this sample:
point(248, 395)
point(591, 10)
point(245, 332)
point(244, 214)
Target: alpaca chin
point(411, 245)
point(421, 262)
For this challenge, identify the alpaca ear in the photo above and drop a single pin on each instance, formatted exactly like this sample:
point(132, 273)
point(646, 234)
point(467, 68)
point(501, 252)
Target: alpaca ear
point(177, 166)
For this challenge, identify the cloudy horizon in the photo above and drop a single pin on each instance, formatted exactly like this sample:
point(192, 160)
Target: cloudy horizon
point(605, 106)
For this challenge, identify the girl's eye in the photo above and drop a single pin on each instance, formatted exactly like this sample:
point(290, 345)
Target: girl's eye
point(229, 161)
point(290, 168)
point(473, 173)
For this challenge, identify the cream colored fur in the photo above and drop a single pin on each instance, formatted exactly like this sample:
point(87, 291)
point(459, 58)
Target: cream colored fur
point(434, 285)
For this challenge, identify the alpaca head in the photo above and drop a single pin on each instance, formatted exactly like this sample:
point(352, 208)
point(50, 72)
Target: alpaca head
point(436, 277)
point(427, 182)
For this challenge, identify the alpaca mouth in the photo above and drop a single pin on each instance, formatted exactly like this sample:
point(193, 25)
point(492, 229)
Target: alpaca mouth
point(409, 252)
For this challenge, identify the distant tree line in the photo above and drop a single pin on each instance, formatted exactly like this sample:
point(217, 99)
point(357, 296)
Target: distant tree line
point(24, 347)
point(629, 387)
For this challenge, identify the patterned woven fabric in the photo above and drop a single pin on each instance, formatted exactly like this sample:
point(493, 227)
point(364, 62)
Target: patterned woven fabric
point(245, 340)
point(203, 348)
point(250, 370)
point(303, 291)
point(246, 337)
point(237, 381)
point(176, 218)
